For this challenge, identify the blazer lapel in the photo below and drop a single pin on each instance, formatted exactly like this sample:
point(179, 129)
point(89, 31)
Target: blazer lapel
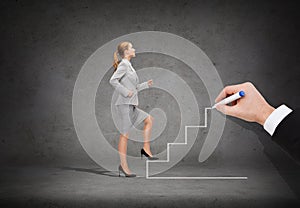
point(136, 77)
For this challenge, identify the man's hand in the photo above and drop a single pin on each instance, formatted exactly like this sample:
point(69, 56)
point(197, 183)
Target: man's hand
point(252, 107)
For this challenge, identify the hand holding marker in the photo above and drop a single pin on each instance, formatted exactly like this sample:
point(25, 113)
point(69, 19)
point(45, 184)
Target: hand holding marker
point(253, 107)
point(230, 99)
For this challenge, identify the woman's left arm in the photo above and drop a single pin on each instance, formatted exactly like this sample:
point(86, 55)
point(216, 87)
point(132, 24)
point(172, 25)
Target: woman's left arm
point(144, 85)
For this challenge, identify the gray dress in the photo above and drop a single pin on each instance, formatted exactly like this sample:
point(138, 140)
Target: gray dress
point(125, 80)
point(130, 116)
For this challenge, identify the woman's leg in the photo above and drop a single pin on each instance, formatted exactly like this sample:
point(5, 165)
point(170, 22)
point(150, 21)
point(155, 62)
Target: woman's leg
point(147, 133)
point(123, 152)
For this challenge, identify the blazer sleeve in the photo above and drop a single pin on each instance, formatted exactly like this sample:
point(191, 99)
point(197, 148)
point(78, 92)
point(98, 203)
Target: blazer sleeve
point(287, 134)
point(115, 80)
point(142, 86)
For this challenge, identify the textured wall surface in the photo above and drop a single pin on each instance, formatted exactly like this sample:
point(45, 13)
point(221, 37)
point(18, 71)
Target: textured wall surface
point(44, 45)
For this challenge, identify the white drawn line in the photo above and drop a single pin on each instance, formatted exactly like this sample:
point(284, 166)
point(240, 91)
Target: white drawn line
point(184, 143)
point(203, 178)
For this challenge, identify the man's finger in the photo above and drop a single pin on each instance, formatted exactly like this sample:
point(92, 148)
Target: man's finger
point(227, 110)
point(228, 90)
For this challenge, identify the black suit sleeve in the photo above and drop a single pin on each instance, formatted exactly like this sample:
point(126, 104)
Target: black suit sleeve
point(287, 134)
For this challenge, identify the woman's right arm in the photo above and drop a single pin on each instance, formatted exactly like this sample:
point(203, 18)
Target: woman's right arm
point(114, 80)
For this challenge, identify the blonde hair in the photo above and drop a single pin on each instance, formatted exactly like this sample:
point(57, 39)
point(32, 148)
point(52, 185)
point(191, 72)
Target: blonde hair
point(120, 50)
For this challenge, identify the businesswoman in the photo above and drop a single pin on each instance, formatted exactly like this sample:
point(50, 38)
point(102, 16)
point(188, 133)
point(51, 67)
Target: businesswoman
point(126, 83)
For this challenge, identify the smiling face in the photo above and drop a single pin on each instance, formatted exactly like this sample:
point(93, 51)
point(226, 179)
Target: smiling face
point(130, 52)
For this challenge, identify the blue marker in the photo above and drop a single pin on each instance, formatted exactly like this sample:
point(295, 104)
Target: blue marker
point(229, 99)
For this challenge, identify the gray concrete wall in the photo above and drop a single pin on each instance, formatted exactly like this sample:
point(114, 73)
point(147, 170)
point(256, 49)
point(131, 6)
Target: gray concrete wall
point(45, 43)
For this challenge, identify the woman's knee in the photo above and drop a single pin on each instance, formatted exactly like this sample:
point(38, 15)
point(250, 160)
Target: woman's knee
point(124, 136)
point(149, 120)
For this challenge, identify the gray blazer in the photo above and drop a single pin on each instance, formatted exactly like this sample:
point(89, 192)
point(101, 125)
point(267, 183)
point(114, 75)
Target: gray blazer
point(125, 79)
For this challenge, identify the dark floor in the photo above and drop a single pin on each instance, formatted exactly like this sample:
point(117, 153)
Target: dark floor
point(94, 187)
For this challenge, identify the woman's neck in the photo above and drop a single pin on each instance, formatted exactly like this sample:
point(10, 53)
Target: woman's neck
point(128, 58)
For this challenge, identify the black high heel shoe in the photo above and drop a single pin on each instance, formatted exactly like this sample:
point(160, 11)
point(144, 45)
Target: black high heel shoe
point(126, 174)
point(143, 152)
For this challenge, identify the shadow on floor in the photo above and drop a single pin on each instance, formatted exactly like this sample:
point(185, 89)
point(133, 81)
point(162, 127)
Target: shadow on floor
point(98, 171)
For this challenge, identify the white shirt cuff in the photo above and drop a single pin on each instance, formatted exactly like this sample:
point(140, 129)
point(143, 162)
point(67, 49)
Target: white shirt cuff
point(275, 118)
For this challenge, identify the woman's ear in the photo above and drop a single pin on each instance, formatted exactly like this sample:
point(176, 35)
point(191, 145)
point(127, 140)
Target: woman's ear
point(125, 52)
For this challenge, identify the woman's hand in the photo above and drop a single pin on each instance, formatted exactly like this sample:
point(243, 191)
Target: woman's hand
point(150, 82)
point(130, 93)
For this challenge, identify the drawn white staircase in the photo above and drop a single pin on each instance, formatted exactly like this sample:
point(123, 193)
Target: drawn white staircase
point(182, 145)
